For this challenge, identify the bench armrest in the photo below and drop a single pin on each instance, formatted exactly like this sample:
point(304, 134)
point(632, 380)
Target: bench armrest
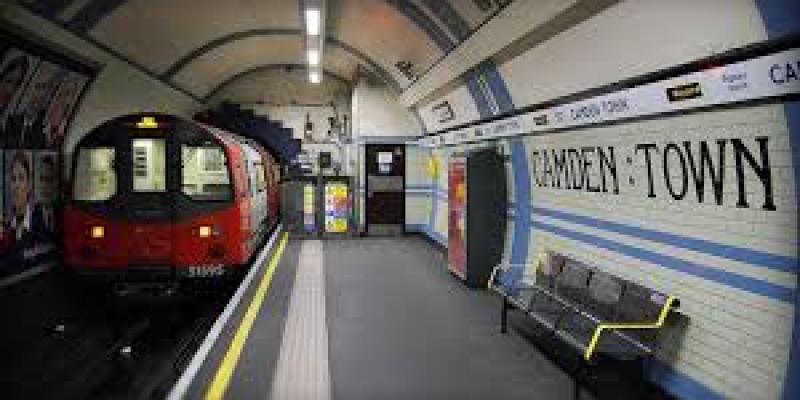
point(662, 317)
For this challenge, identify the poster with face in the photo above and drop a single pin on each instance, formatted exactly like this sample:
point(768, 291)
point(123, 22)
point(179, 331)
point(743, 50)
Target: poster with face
point(46, 189)
point(61, 107)
point(39, 92)
point(16, 69)
point(27, 123)
point(19, 195)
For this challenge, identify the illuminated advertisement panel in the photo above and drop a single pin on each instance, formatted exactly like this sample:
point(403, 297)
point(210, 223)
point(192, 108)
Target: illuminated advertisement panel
point(337, 207)
point(457, 229)
point(309, 222)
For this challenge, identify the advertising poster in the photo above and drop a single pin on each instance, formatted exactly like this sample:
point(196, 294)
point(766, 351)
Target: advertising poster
point(39, 92)
point(309, 222)
point(337, 207)
point(457, 228)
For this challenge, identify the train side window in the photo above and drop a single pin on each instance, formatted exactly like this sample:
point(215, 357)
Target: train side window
point(149, 165)
point(95, 178)
point(205, 173)
point(261, 183)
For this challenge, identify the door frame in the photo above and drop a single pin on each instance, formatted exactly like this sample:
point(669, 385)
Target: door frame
point(366, 183)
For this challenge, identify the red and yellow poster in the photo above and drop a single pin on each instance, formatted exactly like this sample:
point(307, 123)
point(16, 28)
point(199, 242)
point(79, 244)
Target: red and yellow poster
point(457, 229)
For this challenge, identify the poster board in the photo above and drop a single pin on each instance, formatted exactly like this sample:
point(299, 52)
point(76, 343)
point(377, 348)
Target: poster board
point(40, 89)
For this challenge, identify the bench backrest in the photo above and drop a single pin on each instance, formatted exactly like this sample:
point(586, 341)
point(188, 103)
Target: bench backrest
point(608, 297)
point(549, 269)
point(572, 283)
point(605, 292)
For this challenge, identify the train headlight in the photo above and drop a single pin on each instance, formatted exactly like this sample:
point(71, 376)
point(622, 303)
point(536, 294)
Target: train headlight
point(204, 231)
point(98, 232)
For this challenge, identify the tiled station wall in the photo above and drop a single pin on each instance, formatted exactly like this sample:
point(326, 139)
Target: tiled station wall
point(734, 266)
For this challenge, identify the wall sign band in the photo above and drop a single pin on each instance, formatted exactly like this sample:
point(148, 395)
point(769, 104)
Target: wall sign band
point(758, 78)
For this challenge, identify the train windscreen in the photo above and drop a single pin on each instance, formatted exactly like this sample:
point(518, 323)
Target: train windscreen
point(95, 176)
point(149, 165)
point(205, 173)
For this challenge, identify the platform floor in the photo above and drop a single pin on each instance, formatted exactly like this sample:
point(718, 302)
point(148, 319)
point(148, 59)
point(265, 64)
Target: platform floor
point(395, 325)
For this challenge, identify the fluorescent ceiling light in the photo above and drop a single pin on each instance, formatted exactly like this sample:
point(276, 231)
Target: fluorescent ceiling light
point(315, 77)
point(312, 21)
point(313, 57)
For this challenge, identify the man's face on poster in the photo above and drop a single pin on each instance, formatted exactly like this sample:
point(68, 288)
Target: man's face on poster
point(20, 187)
point(10, 82)
point(39, 92)
point(61, 103)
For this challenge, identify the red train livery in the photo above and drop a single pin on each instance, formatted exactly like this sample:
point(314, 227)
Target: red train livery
point(159, 198)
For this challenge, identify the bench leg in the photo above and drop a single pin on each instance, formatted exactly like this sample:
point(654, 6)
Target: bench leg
point(504, 316)
point(644, 376)
point(576, 383)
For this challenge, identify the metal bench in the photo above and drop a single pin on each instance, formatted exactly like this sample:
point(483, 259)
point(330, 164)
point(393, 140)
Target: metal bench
point(597, 314)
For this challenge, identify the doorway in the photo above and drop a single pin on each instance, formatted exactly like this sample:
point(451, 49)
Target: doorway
point(385, 201)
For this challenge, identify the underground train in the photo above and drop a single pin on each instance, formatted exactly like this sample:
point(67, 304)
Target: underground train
point(159, 199)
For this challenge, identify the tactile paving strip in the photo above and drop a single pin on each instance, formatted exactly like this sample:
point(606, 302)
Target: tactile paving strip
point(303, 369)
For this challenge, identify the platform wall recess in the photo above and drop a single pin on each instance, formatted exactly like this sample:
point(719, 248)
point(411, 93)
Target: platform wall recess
point(700, 205)
point(692, 221)
point(726, 245)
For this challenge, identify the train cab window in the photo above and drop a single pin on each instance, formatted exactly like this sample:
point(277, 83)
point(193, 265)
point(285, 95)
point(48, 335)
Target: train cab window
point(205, 173)
point(95, 177)
point(149, 165)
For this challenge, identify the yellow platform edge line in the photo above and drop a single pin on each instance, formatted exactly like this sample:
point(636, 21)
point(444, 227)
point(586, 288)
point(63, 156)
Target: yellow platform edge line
point(662, 317)
point(223, 376)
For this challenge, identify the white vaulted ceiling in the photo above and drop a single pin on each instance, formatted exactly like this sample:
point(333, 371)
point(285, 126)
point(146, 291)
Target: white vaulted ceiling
point(199, 45)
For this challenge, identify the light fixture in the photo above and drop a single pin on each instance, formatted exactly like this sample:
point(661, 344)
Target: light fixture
point(313, 57)
point(312, 21)
point(98, 232)
point(314, 77)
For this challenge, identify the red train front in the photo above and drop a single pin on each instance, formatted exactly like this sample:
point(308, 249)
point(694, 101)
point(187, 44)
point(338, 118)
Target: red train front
point(158, 198)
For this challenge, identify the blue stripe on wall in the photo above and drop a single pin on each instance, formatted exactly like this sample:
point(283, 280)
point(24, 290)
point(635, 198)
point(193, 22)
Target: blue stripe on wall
point(446, 44)
point(481, 102)
point(498, 87)
point(431, 234)
point(726, 278)
point(782, 17)
point(792, 383)
point(772, 261)
point(679, 384)
point(522, 198)
point(460, 28)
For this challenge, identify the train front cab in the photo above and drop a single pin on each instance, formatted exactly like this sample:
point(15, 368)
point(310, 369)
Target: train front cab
point(157, 198)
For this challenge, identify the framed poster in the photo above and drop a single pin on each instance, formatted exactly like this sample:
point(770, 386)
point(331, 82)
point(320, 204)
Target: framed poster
point(337, 207)
point(457, 216)
point(40, 89)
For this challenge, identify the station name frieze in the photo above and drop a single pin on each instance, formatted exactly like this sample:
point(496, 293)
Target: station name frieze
point(727, 168)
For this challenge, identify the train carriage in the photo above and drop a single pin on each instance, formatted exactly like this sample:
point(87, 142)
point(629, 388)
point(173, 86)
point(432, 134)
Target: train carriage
point(158, 198)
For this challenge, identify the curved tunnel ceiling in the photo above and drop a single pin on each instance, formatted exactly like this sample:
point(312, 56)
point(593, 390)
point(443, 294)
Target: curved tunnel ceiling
point(281, 84)
point(195, 45)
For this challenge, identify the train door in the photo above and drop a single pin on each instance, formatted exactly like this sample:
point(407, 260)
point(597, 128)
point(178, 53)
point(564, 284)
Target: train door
point(150, 204)
point(257, 192)
point(385, 200)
